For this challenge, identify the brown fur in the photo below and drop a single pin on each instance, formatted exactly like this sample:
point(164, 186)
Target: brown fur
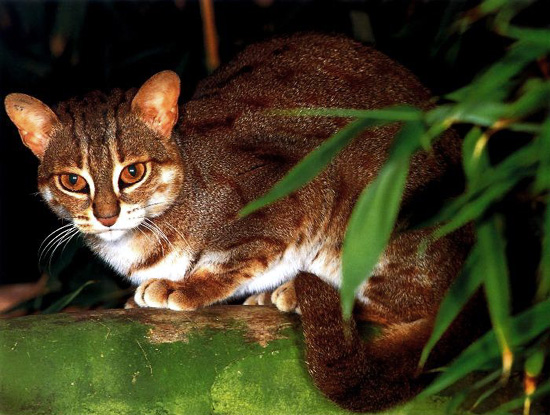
point(225, 151)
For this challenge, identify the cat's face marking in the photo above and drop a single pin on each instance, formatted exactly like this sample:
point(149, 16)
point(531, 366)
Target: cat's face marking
point(108, 163)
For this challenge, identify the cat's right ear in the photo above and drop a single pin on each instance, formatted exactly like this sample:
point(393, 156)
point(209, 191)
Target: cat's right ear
point(156, 102)
point(34, 120)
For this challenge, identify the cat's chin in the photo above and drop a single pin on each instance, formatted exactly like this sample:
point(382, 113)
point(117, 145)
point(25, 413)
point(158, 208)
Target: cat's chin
point(111, 236)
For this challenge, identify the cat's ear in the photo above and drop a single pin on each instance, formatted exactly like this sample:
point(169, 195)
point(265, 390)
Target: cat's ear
point(34, 120)
point(156, 102)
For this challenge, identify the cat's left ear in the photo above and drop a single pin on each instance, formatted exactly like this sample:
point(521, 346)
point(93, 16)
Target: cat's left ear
point(156, 102)
point(34, 120)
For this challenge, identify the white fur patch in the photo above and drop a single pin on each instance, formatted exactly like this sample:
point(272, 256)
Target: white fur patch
point(326, 267)
point(124, 254)
point(308, 258)
point(47, 194)
point(278, 272)
point(112, 235)
point(173, 266)
point(121, 254)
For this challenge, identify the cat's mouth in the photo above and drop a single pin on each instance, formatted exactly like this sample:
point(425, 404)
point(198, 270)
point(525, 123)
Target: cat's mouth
point(108, 235)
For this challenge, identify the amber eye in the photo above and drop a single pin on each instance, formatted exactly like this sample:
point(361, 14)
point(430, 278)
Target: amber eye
point(132, 174)
point(73, 182)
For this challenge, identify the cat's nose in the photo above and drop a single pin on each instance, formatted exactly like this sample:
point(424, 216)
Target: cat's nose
point(106, 209)
point(109, 221)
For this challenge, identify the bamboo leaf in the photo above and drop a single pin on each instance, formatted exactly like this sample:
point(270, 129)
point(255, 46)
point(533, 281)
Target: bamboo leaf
point(310, 166)
point(469, 210)
point(495, 82)
point(539, 37)
point(543, 290)
point(493, 266)
point(535, 362)
point(66, 300)
point(542, 180)
point(475, 158)
point(509, 406)
point(465, 285)
point(492, 6)
point(374, 215)
point(523, 328)
point(536, 95)
point(489, 188)
point(459, 397)
point(486, 394)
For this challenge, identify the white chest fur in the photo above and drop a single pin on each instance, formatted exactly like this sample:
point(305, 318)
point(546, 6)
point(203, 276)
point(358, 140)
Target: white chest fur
point(126, 256)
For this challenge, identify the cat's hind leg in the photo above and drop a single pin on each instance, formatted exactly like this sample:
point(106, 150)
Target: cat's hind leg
point(283, 297)
point(263, 298)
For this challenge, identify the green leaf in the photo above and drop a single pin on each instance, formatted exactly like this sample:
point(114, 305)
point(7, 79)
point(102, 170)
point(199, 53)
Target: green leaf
point(475, 158)
point(66, 300)
point(492, 6)
point(488, 110)
point(496, 81)
point(465, 285)
point(310, 166)
point(539, 37)
point(464, 210)
point(397, 113)
point(519, 402)
point(460, 396)
point(536, 95)
point(542, 180)
point(543, 290)
point(524, 327)
point(493, 266)
point(535, 362)
point(373, 217)
point(489, 188)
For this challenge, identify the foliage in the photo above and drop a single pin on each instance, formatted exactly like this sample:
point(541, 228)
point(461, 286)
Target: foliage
point(511, 96)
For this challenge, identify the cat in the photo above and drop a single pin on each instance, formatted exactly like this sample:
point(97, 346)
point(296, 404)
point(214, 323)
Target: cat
point(155, 189)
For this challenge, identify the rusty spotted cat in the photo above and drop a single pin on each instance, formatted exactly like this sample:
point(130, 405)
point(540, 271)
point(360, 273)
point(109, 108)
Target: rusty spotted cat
point(155, 189)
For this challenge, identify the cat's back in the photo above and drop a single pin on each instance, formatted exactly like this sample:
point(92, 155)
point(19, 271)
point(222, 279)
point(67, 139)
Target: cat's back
point(311, 70)
point(228, 120)
point(232, 106)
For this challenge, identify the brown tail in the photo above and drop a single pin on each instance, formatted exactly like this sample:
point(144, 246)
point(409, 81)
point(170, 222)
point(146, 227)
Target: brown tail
point(359, 375)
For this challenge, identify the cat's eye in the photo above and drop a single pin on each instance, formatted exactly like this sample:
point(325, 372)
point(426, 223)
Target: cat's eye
point(73, 182)
point(132, 174)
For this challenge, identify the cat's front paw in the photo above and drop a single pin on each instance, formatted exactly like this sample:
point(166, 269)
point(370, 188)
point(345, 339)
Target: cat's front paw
point(285, 299)
point(160, 293)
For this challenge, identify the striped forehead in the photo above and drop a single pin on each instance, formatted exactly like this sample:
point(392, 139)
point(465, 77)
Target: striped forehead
point(95, 125)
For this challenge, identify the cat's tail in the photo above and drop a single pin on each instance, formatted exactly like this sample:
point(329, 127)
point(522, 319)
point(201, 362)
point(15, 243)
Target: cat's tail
point(360, 375)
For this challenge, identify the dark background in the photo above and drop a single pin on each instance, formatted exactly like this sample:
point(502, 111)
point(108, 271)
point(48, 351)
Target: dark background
point(56, 50)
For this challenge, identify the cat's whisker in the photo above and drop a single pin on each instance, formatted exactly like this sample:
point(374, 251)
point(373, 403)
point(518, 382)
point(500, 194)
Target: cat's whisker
point(59, 234)
point(63, 241)
point(143, 233)
point(54, 243)
point(76, 233)
point(154, 232)
point(52, 233)
point(162, 237)
point(161, 233)
point(183, 238)
point(154, 204)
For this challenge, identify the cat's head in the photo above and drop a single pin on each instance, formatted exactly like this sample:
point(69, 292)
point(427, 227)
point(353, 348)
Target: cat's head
point(107, 162)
